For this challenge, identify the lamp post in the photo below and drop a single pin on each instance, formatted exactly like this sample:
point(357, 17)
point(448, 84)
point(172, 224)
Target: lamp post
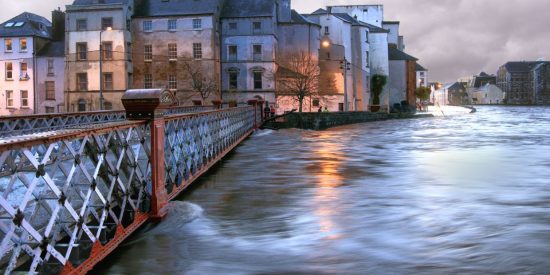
point(101, 99)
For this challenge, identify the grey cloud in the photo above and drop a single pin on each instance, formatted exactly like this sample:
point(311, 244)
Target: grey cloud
point(452, 38)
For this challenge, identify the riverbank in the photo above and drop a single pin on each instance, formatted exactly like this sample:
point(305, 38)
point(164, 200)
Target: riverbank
point(322, 121)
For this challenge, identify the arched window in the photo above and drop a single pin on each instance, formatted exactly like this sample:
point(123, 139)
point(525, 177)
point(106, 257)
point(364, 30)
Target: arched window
point(82, 105)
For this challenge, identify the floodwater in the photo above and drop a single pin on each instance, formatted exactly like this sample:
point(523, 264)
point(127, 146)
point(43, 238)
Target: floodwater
point(464, 194)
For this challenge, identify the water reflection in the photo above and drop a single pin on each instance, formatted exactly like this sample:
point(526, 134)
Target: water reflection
point(466, 194)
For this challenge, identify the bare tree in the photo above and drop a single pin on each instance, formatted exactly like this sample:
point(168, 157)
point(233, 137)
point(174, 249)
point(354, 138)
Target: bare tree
point(298, 77)
point(201, 81)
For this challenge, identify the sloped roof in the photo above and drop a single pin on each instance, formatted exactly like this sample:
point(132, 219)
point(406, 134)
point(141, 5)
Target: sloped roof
point(297, 18)
point(395, 54)
point(247, 8)
point(420, 68)
point(30, 27)
point(152, 8)
point(319, 11)
point(53, 49)
point(96, 2)
point(455, 86)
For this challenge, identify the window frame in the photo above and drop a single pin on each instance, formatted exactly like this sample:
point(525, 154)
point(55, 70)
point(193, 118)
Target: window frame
point(23, 41)
point(81, 51)
point(82, 24)
point(172, 82)
point(23, 71)
point(50, 94)
point(107, 54)
point(147, 26)
point(105, 20)
point(147, 81)
point(257, 27)
point(233, 79)
point(197, 24)
point(257, 81)
point(172, 24)
point(6, 40)
point(108, 84)
point(148, 53)
point(172, 51)
point(80, 84)
point(257, 55)
point(197, 50)
point(24, 99)
point(232, 56)
point(51, 68)
point(9, 98)
point(8, 71)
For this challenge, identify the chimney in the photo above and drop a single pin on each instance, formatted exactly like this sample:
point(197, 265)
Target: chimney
point(58, 25)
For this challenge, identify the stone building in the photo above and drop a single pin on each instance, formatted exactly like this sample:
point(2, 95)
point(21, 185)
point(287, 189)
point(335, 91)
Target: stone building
point(176, 46)
point(92, 25)
point(513, 78)
point(31, 62)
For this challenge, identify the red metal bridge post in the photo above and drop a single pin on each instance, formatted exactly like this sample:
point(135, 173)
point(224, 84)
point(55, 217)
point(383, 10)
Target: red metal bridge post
point(151, 104)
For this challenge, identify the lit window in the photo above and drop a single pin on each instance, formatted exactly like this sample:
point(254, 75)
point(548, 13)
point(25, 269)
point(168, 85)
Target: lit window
point(9, 70)
point(148, 52)
point(148, 81)
point(8, 45)
point(25, 99)
point(197, 24)
point(172, 24)
point(23, 44)
point(50, 90)
point(23, 73)
point(147, 26)
point(172, 82)
point(173, 51)
point(197, 50)
point(19, 24)
point(9, 99)
point(9, 25)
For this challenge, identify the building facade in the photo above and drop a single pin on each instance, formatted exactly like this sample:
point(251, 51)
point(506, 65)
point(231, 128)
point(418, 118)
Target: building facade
point(98, 54)
point(28, 86)
point(421, 76)
point(402, 80)
point(488, 94)
point(176, 46)
point(540, 75)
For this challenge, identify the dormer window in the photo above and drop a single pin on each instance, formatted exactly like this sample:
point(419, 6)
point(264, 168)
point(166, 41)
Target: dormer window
point(19, 24)
point(9, 25)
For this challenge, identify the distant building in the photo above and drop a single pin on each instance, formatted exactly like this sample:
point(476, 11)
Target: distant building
point(451, 94)
point(482, 79)
point(421, 76)
point(91, 25)
point(487, 94)
point(177, 47)
point(540, 75)
point(402, 81)
point(31, 58)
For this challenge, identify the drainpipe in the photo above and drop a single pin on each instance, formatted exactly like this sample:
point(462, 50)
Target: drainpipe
point(34, 81)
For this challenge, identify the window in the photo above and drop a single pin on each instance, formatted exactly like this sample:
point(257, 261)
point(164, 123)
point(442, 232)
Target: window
point(232, 52)
point(50, 110)
point(129, 51)
point(367, 59)
point(108, 81)
point(326, 30)
point(173, 51)
point(82, 105)
point(148, 52)
point(81, 24)
point(107, 50)
point(50, 90)
point(147, 26)
point(23, 73)
point(23, 44)
point(197, 50)
point(106, 23)
point(257, 52)
point(107, 105)
point(82, 81)
point(147, 81)
point(233, 79)
point(8, 45)
point(9, 70)
point(340, 107)
point(197, 24)
point(367, 36)
point(258, 80)
point(81, 51)
point(315, 103)
point(172, 24)
point(9, 99)
point(172, 82)
point(256, 27)
point(50, 67)
point(233, 25)
point(24, 99)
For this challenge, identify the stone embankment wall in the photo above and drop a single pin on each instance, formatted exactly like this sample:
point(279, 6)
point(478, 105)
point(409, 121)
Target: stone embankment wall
point(321, 121)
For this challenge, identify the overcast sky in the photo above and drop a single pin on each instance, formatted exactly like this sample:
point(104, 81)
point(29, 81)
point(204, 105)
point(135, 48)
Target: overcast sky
point(452, 38)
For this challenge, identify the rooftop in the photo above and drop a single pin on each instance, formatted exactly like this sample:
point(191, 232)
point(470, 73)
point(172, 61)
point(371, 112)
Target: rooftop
point(53, 49)
point(26, 24)
point(98, 2)
point(420, 68)
point(152, 8)
point(244, 8)
point(395, 54)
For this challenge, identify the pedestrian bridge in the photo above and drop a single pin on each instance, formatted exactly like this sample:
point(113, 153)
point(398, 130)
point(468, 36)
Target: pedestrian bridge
point(74, 186)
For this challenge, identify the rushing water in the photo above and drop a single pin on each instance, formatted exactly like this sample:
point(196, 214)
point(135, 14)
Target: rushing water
point(465, 194)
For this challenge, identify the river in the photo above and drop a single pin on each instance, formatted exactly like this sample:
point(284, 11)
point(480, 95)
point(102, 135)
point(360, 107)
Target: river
point(462, 194)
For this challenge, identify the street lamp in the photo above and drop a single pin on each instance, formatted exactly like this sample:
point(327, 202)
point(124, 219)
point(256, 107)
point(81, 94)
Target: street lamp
point(101, 99)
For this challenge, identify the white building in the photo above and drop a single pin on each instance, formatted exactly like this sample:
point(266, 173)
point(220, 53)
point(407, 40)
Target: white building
point(26, 86)
point(421, 76)
point(488, 94)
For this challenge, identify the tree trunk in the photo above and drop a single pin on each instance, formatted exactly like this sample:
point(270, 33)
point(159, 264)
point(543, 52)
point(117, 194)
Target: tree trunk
point(301, 102)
